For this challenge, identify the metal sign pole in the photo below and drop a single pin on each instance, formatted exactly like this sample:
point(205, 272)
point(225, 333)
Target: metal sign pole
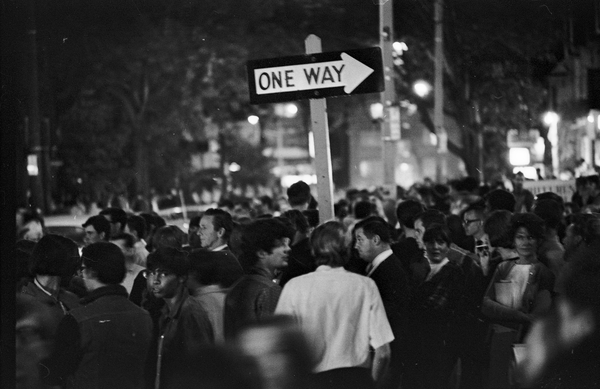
point(320, 129)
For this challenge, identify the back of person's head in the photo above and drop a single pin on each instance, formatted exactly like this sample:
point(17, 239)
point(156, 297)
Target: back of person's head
point(363, 209)
point(195, 221)
point(128, 239)
point(214, 268)
point(168, 236)
point(32, 215)
point(299, 221)
point(500, 199)
point(437, 233)
point(340, 209)
point(106, 261)
point(533, 223)
point(54, 255)
point(550, 196)
point(299, 193)
point(549, 211)
point(117, 215)
point(138, 224)
point(262, 235)
point(221, 219)
point(431, 216)
point(328, 244)
point(312, 215)
point(375, 225)
point(497, 226)
point(159, 221)
point(406, 212)
point(150, 223)
point(290, 229)
point(100, 224)
point(170, 259)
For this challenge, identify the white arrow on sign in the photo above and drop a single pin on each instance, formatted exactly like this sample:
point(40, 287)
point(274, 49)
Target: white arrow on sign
point(347, 72)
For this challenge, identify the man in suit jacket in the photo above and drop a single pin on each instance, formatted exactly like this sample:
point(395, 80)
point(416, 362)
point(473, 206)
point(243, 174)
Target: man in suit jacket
point(373, 238)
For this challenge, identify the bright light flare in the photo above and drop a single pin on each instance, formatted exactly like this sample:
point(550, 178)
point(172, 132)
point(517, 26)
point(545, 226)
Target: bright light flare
point(422, 88)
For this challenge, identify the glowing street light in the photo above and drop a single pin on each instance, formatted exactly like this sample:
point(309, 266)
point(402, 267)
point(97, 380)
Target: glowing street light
point(422, 88)
point(551, 118)
point(253, 119)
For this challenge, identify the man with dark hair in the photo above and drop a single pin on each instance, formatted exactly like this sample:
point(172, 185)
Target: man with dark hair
point(104, 343)
point(53, 260)
point(265, 248)
point(214, 229)
point(301, 260)
point(470, 351)
point(299, 195)
point(184, 326)
point(407, 249)
point(136, 226)
point(97, 229)
point(193, 234)
point(499, 199)
point(373, 238)
point(473, 219)
point(117, 219)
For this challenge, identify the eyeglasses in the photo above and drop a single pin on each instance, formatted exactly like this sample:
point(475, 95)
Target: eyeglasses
point(156, 274)
point(467, 221)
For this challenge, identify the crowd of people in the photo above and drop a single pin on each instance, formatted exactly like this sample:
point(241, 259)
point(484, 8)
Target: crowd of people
point(460, 286)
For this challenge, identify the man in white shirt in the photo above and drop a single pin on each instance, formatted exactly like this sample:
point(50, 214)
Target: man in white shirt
point(342, 315)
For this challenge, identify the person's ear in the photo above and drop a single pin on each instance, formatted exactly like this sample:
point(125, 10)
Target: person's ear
point(102, 235)
point(376, 240)
point(221, 232)
point(261, 254)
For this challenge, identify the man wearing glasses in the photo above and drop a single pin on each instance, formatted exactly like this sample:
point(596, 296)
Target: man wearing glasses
point(473, 218)
point(183, 326)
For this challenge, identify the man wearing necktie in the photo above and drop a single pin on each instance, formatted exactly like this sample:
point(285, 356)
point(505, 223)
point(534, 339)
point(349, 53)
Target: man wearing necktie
point(373, 238)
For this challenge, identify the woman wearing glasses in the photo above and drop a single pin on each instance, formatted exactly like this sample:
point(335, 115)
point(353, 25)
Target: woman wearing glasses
point(519, 291)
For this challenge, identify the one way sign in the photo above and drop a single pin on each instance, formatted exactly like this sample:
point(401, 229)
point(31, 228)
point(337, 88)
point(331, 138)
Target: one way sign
point(316, 75)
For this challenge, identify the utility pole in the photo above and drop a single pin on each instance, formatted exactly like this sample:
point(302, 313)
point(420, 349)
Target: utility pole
point(390, 123)
point(33, 110)
point(438, 108)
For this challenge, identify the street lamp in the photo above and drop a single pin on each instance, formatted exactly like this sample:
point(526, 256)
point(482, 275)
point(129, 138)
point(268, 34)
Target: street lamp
point(551, 119)
point(422, 88)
